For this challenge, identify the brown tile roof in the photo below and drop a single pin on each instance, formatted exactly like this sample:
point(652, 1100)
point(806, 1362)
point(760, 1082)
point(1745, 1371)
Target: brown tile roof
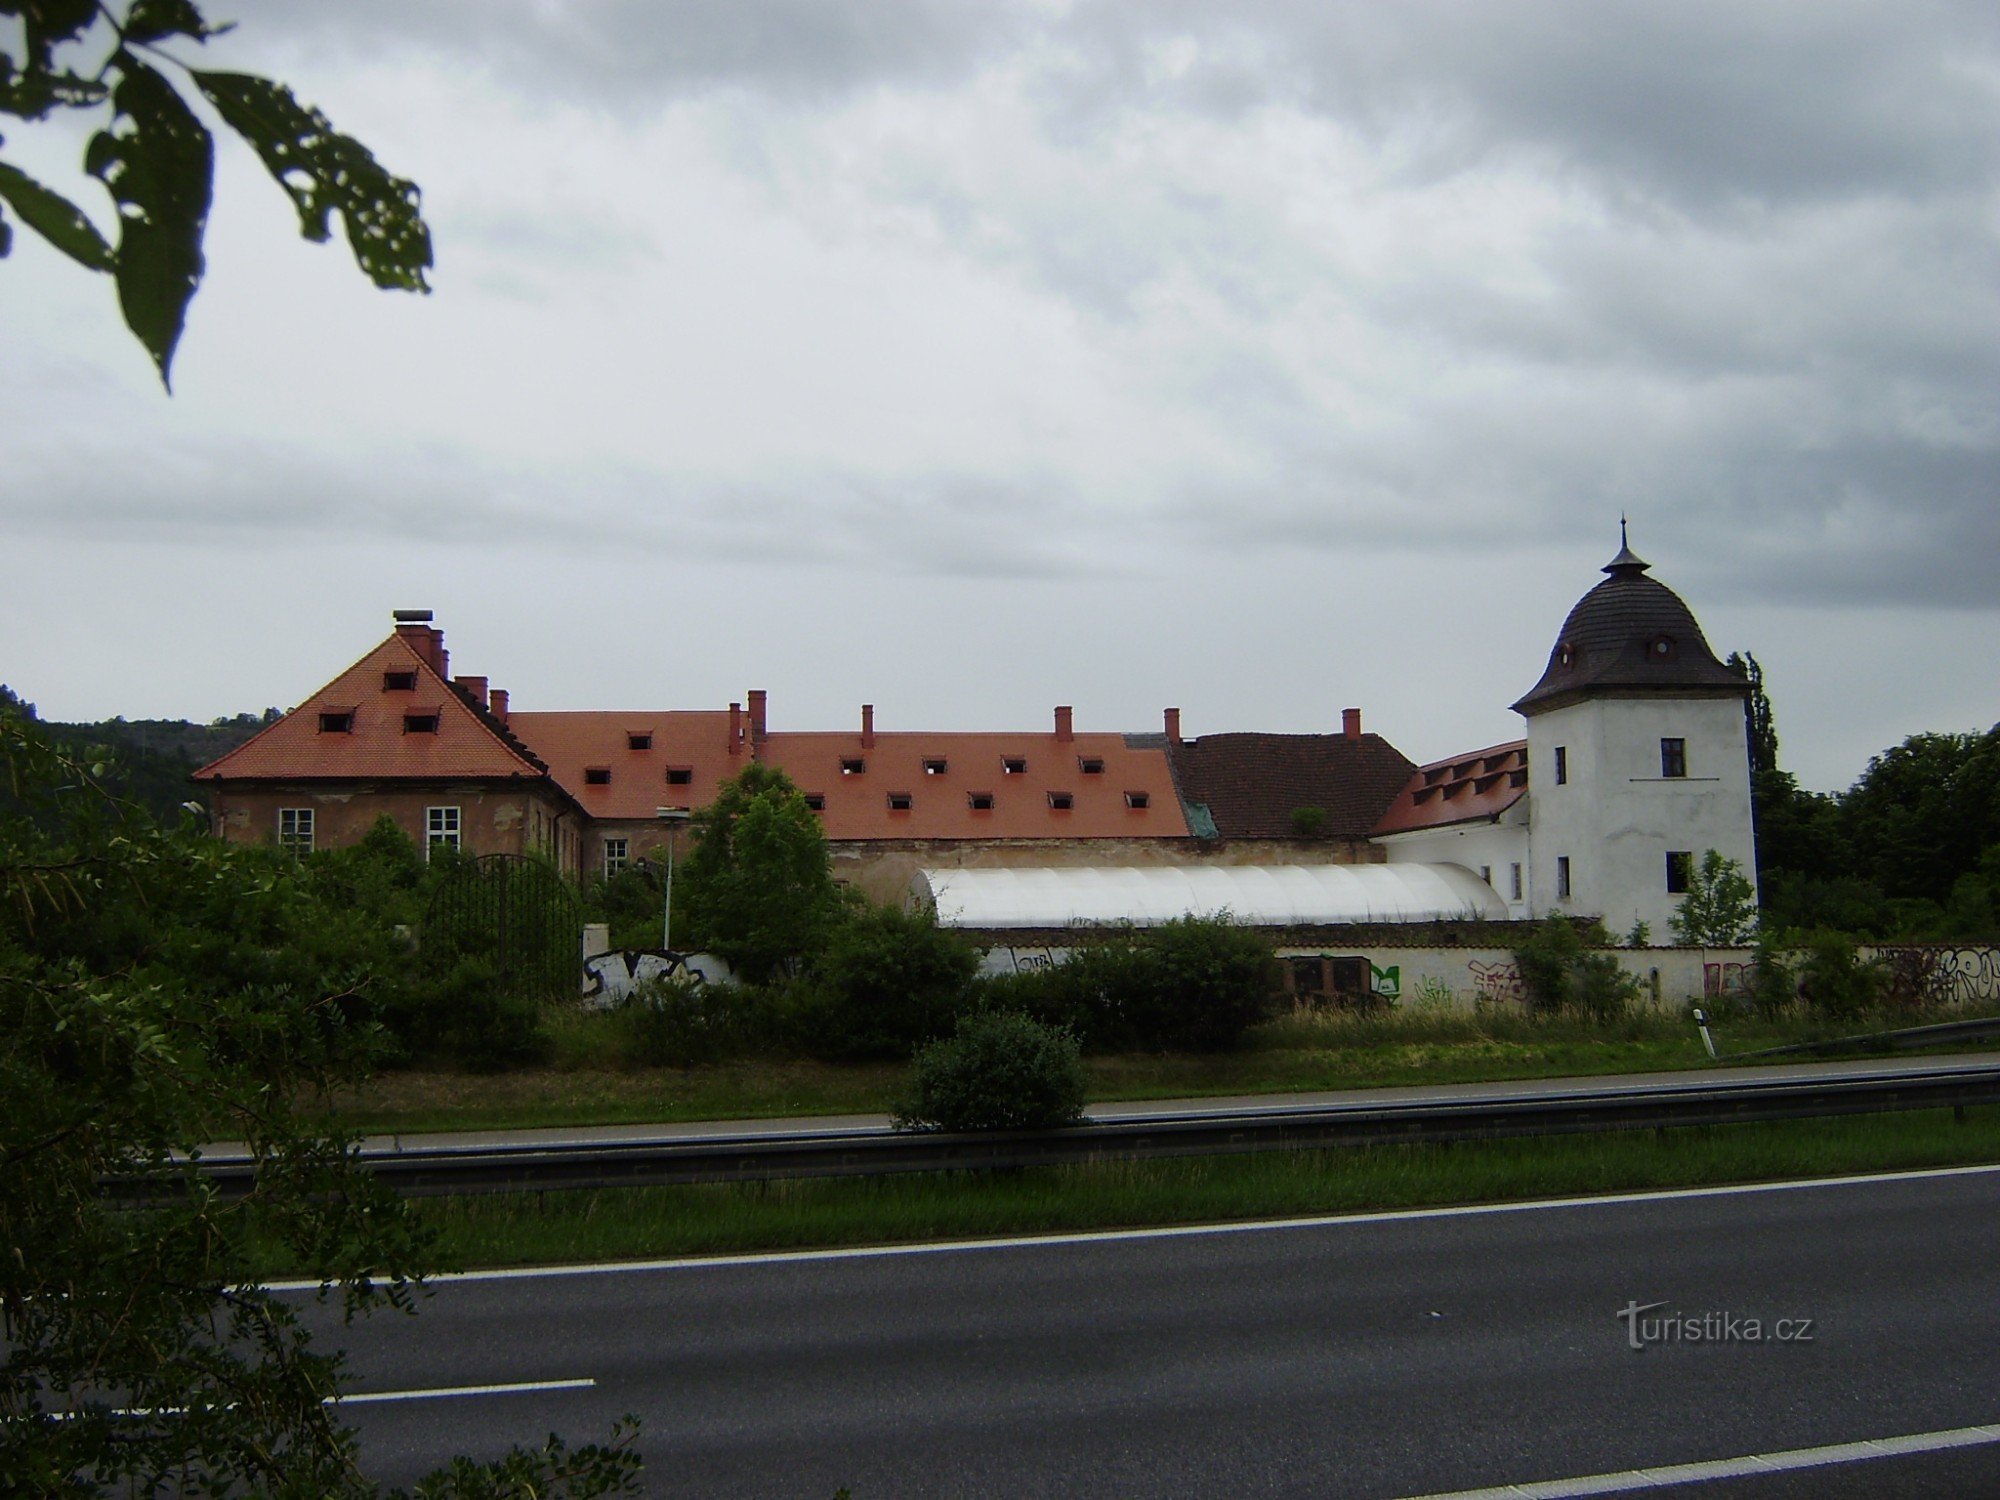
point(1252, 783)
point(941, 801)
point(467, 745)
point(575, 743)
point(1477, 786)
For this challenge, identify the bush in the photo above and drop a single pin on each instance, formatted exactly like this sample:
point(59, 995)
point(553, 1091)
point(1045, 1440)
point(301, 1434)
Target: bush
point(669, 1024)
point(1000, 1070)
point(886, 982)
point(466, 1017)
point(1833, 980)
point(1561, 974)
point(1195, 984)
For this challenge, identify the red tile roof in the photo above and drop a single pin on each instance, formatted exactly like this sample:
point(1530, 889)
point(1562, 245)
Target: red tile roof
point(575, 743)
point(1475, 787)
point(941, 801)
point(467, 744)
point(1252, 783)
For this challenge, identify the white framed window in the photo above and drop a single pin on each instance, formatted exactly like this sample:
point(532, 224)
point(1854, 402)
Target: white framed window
point(441, 826)
point(295, 829)
point(617, 855)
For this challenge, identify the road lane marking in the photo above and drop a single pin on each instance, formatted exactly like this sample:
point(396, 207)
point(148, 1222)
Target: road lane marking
point(1730, 1468)
point(434, 1393)
point(1173, 1231)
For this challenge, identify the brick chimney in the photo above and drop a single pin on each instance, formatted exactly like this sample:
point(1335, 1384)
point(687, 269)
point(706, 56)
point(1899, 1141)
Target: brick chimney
point(758, 698)
point(735, 728)
point(1065, 724)
point(476, 686)
point(867, 726)
point(414, 626)
point(498, 704)
point(1173, 726)
point(1350, 723)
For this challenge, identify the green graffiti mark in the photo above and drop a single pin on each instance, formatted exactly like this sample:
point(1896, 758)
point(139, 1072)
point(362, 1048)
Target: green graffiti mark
point(1388, 982)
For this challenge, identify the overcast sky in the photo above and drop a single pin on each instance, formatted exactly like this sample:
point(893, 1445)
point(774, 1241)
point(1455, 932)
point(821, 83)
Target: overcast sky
point(970, 358)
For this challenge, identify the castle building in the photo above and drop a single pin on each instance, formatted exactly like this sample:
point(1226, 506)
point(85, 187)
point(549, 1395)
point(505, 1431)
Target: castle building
point(1636, 743)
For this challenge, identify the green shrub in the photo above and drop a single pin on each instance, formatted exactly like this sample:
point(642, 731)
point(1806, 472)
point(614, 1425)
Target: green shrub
point(1560, 974)
point(886, 982)
point(466, 1016)
point(667, 1024)
point(1000, 1070)
point(1195, 984)
point(1833, 980)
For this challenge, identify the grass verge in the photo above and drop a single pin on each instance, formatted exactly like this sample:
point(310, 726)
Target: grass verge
point(636, 1223)
point(1296, 1054)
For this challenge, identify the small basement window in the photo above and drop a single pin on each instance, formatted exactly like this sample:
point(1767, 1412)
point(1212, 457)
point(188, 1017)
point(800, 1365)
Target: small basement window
point(1014, 765)
point(934, 765)
point(1061, 801)
point(980, 801)
point(852, 765)
point(636, 740)
point(1090, 765)
point(597, 776)
point(679, 775)
point(899, 801)
point(399, 682)
point(816, 801)
point(1139, 800)
point(420, 723)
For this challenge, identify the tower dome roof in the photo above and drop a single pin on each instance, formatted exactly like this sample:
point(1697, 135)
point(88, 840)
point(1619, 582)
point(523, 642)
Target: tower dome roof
point(1631, 636)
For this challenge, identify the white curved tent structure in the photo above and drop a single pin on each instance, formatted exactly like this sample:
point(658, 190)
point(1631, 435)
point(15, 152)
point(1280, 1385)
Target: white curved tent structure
point(1254, 895)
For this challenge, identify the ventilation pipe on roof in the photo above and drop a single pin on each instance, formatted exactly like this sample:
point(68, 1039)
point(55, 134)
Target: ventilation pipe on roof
point(735, 728)
point(1065, 724)
point(757, 702)
point(867, 726)
point(1350, 723)
point(1173, 726)
point(476, 686)
point(498, 704)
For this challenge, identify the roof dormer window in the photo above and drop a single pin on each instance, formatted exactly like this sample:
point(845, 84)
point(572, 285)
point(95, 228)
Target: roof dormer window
point(1661, 648)
point(1138, 801)
point(420, 723)
point(852, 765)
point(900, 801)
point(597, 776)
point(337, 721)
point(638, 739)
point(979, 801)
point(1090, 765)
point(816, 801)
point(1061, 801)
point(1014, 765)
point(1565, 656)
point(935, 765)
point(399, 682)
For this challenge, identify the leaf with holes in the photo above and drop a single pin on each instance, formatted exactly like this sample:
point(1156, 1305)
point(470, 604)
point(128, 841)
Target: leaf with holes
point(159, 163)
point(56, 220)
point(47, 24)
point(155, 20)
point(324, 170)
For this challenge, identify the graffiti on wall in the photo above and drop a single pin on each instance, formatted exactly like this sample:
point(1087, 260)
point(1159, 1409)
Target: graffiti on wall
point(1494, 984)
point(1020, 960)
point(610, 978)
point(1941, 976)
point(1386, 984)
point(1728, 981)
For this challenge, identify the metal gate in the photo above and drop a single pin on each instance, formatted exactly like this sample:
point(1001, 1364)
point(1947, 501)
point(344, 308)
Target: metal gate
point(517, 912)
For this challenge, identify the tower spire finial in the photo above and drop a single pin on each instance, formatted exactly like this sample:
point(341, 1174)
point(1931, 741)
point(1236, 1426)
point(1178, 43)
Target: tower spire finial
point(1626, 564)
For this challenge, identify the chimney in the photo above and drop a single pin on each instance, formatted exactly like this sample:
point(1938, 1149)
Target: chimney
point(1065, 724)
point(475, 686)
point(414, 626)
point(757, 700)
point(1350, 723)
point(498, 704)
point(867, 726)
point(1173, 726)
point(735, 728)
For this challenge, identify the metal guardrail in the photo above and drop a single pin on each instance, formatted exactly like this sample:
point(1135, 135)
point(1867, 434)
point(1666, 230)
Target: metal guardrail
point(452, 1170)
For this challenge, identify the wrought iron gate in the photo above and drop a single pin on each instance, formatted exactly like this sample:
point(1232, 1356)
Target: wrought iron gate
point(517, 912)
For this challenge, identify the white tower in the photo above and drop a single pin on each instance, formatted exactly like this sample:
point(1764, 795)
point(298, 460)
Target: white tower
point(1637, 754)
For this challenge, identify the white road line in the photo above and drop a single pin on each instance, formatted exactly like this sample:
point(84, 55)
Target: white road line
point(519, 1387)
point(1173, 1231)
point(1730, 1468)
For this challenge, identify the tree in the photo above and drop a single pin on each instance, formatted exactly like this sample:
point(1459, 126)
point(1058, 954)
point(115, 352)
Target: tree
point(1761, 725)
point(160, 990)
point(1719, 909)
point(758, 888)
point(156, 159)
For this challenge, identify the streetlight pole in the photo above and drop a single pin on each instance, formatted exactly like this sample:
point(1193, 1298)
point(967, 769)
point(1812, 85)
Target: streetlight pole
point(672, 817)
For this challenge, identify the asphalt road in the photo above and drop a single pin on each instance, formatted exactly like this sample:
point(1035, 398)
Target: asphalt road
point(1394, 1355)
